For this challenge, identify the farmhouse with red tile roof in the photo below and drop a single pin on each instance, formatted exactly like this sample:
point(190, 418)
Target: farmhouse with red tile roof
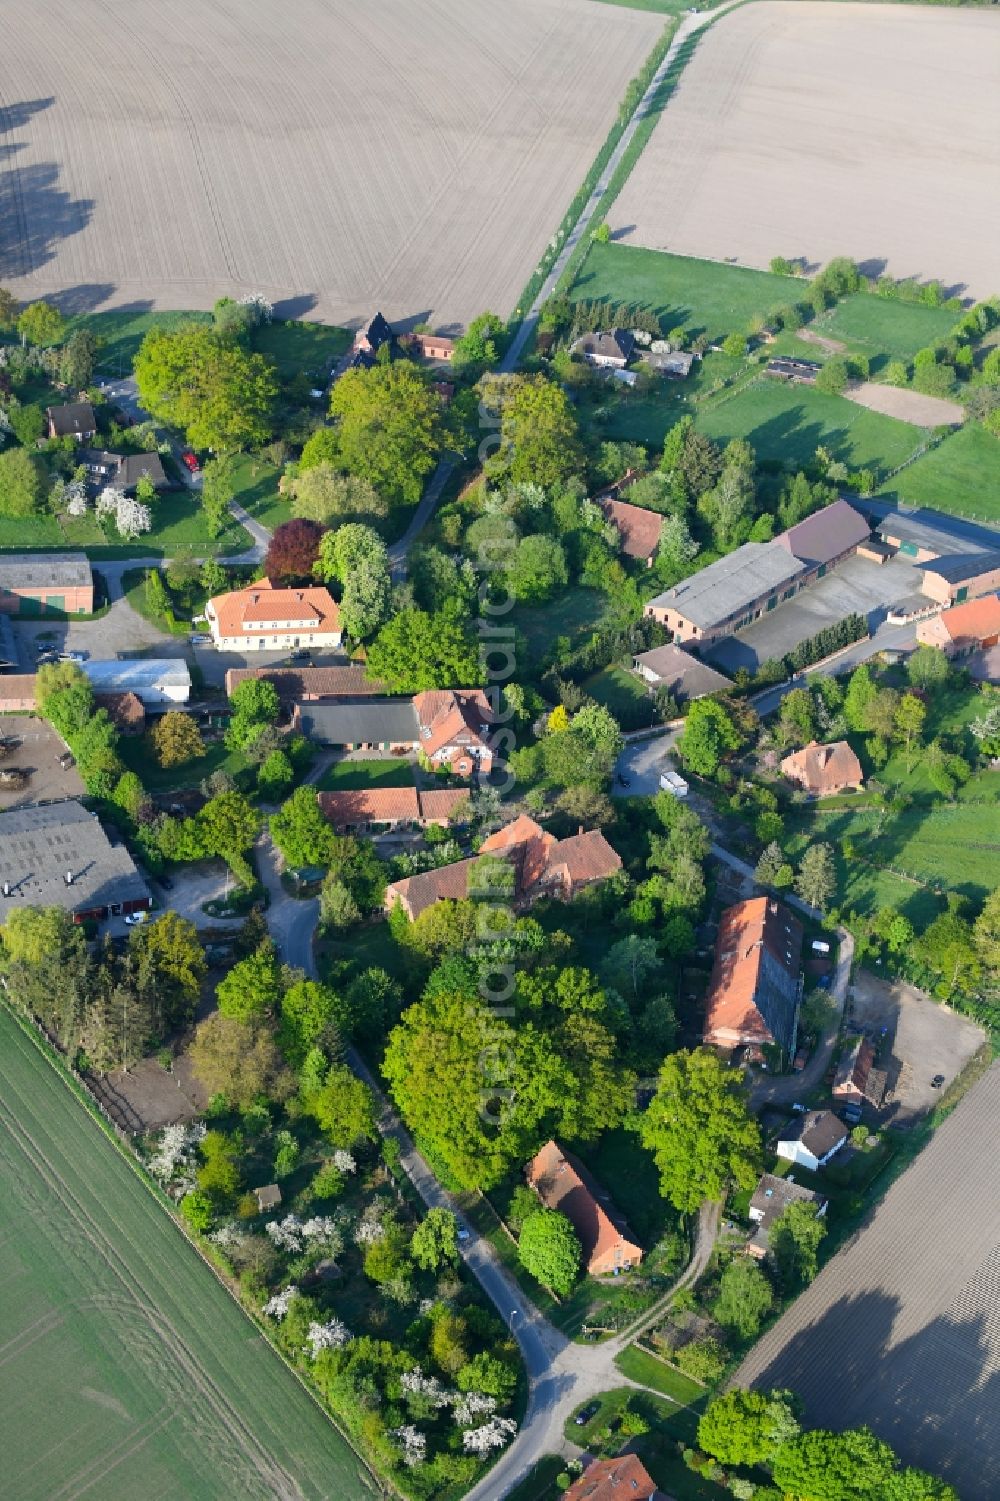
point(564, 1184)
point(963, 628)
point(822, 770)
point(638, 528)
point(543, 865)
point(624, 1478)
point(454, 728)
point(308, 683)
point(382, 808)
point(267, 618)
point(753, 996)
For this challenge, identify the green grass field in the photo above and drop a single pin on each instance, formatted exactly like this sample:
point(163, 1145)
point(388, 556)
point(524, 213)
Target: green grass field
point(177, 525)
point(349, 776)
point(786, 424)
point(122, 332)
point(575, 614)
point(703, 297)
point(622, 692)
point(129, 1370)
point(878, 325)
point(962, 475)
point(640, 1366)
point(295, 347)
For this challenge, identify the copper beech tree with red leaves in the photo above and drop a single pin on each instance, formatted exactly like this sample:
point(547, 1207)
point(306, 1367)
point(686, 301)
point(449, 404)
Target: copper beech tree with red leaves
point(292, 551)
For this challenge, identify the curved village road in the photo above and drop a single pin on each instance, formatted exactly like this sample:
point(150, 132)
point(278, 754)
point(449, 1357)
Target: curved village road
point(561, 1375)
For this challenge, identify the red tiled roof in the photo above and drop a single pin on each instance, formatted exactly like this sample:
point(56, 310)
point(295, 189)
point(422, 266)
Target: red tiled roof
point(823, 768)
point(442, 803)
point(447, 883)
point(562, 1183)
point(974, 620)
point(126, 710)
point(449, 716)
point(308, 682)
point(370, 805)
point(736, 992)
point(624, 1478)
point(639, 529)
point(244, 611)
point(586, 856)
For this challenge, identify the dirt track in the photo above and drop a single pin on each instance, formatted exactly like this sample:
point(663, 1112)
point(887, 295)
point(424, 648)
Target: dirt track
point(409, 154)
point(818, 130)
point(908, 406)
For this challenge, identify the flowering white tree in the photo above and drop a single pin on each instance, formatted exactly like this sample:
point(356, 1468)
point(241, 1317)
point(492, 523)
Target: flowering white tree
point(261, 310)
point(415, 1384)
point(130, 516)
point(75, 499)
point(176, 1150)
point(413, 1444)
point(287, 1233)
point(329, 1336)
point(370, 1228)
point(344, 1162)
point(228, 1236)
point(468, 1406)
point(277, 1306)
point(492, 1435)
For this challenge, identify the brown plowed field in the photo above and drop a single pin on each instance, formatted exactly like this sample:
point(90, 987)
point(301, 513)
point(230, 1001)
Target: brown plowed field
point(410, 154)
point(901, 1330)
point(817, 130)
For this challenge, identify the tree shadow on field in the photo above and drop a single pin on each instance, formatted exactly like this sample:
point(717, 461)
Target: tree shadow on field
point(295, 307)
point(414, 320)
point(73, 302)
point(35, 213)
point(934, 1396)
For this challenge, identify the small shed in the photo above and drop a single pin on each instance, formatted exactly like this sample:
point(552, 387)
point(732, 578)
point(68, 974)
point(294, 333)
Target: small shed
point(268, 1197)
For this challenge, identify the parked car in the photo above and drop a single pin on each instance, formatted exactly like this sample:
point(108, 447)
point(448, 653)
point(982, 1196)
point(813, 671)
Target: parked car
point(133, 919)
point(47, 656)
point(73, 656)
point(819, 947)
point(798, 1109)
point(200, 639)
point(937, 1081)
point(586, 1413)
point(190, 460)
point(851, 1114)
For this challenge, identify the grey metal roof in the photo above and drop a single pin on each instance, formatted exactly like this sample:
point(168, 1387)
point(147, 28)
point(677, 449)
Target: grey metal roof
point(40, 845)
point(683, 674)
point(960, 566)
point(146, 676)
point(134, 465)
point(366, 721)
point(827, 534)
point(932, 530)
point(730, 585)
point(44, 570)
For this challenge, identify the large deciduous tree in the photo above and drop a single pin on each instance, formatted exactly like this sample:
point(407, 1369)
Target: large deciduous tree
point(549, 1248)
point(700, 1131)
point(292, 551)
point(746, 1428)
point(176, 739)
point(218, 394)
point(415, 651)
point(709, 735)
point(20, 483)
point(301, 832)
point(355, 556)
point(539, 439)
point(239, 1060)
point(389, 428)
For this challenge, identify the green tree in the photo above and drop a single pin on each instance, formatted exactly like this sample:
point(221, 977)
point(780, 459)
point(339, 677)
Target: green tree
point(479, 346)
point(176, 739)
point(389, 428)
point(798, 716)
point(897, 373)
point(309, 1019)
point(821, 1466)
point(435, 1241)
point(691, 461)
point(9, 309)
point(746, 1428)
point(76, 359)
point(416, 651)
point(218, 487)
point(41, 324)
point(709, 735)
point(539, 440)
point(861, 692)
point(254, 704)
point(735, 346)
point(948, 948)
point(833, 376)
point(218, 394)
point(794, 1241)
point(343, 1107)
point(32, 933)
point(322, 492)
point(170, 966)
point(700, 1131)
point(20, 483)
point(253, 987)
point(537, 569)
point(745, 1297)
point(817, 876)
point(28, 423)
point(986, 934)
point(275, 776)
point(301, 832)
point(927, 668)
point(356, 556)
point(238, 1060)
point(549, 1248)
point(909, 722)
point(337, 908)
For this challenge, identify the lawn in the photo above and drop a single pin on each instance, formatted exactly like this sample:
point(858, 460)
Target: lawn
point(648, 1369)
point(786, 424)
point(298, 346)
point(350, 776)
point(129, 1368)
point(135, 751)
point(622, 692)
point(668, 1424)
point(878, 325)
point(703, 297)
point(575, 614)
point(177, 525)
point(620, 1158)
point(255, 483)
point(120, 334)
point(540, 1484)
point(961, 475)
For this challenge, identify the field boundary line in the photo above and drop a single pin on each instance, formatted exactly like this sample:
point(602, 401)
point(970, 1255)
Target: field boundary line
point(68, 1077)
